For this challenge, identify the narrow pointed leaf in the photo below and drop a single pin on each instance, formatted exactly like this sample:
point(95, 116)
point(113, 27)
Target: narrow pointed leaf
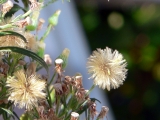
point(16, 115)
point(94, 99)
point(27, 53)
point(3, 33)
point(6, 110)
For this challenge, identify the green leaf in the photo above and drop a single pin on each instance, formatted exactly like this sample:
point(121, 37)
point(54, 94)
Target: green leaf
point(94, 99)
point(16, 1)
point(6, 110)
point(26, 3)
point(3, 33)
point(27, 53)
point(2, 1)
point(16, 115)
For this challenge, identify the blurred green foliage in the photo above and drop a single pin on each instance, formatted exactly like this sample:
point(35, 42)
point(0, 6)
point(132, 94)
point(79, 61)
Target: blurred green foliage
point(135, 32)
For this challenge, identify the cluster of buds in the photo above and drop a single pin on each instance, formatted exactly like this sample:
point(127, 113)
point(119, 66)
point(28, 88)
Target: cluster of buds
point(73, 87)
point(49, 115)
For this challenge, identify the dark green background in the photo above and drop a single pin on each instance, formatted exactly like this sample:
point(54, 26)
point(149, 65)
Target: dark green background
point(138, 39)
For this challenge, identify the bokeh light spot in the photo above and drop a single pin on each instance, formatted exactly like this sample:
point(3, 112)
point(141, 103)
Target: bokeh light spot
point(150, 98)
point(156, 71)
point(90, 21)
point(115, 20)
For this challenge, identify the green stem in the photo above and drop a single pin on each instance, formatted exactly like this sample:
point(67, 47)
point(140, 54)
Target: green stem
point(21, 16)
point(64, 112)
point(5, 115)
point(58, 105)
point(16, 19)
point(3, 15)
point(52, 79)
point(5, 26)
point(93, 86)
point(68, 116)
point(47, 32)
point(49, 101)
point(88, 115)
point(11, 69)
point(26, 14)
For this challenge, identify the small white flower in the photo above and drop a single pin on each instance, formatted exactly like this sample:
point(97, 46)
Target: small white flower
point(74, 116)
point(47, 59)
point(108, 69)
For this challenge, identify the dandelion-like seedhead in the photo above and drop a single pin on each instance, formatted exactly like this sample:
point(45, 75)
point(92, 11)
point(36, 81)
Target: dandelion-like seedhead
point(25, 91)
point(107, 68)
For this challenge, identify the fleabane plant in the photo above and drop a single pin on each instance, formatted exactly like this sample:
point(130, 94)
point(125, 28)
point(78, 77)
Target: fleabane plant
point(44, 97)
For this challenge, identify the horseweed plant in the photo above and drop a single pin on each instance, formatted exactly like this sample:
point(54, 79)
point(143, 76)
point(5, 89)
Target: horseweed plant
point(57, 97)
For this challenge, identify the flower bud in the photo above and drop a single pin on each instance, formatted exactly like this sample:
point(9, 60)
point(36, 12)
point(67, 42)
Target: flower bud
point(7, 6)
point(103, 112)
point(21, 62)
point(41, 47)
point(35, 5)
point(64, 56)
point(40, 24)
point(34, 19)
point(52, 93)
point(78, 81)
point(24, 22)
point(31, 70)
point(92, 109)
point(53, 20)
point(47, 59)
point(74, 116)
point(58, 61)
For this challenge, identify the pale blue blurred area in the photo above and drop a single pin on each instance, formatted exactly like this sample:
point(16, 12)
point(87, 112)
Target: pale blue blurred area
point(69, 34)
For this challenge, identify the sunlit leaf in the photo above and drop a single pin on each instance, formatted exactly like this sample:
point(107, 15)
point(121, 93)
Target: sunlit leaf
point(27, 53)
point(6, 110)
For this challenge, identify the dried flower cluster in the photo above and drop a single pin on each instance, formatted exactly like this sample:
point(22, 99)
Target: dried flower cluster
point(44, 97)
